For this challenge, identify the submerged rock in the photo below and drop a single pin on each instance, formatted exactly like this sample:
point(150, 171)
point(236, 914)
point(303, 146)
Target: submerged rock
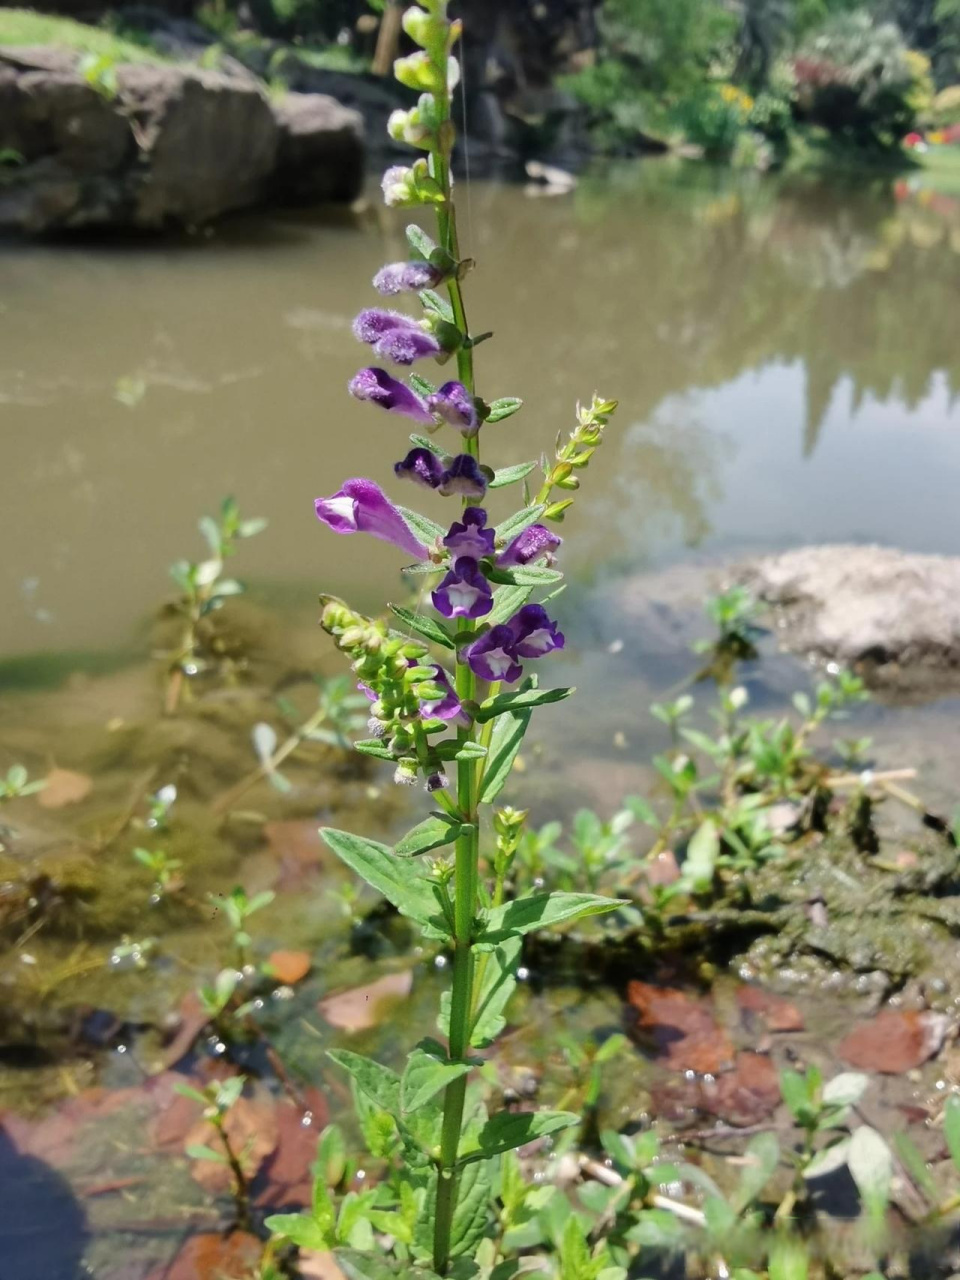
point(891, 616)
point(167, 145)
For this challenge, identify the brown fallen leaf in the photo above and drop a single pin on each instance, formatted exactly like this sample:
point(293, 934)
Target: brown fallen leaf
point(896, 1040)
point(289, 967)
point(683, 1029)
point(251, 1127)
point(214, 1257)
point(64, 787)
point(288, 1182)
point(297, 847)
point(776, 1011)
point(747, 1094)
point(364, 1007)
point(663, 870)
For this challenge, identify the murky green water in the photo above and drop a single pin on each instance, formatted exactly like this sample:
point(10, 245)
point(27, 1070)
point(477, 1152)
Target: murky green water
point(785, 357)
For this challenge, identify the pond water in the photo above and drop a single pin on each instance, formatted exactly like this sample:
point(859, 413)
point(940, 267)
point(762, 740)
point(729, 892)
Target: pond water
point(784, 352)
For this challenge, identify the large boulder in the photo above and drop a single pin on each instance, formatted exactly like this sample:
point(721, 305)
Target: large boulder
point(890, 615)
point(166, 145)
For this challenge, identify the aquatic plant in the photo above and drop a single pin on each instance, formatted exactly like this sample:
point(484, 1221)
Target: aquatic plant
point(456, 724)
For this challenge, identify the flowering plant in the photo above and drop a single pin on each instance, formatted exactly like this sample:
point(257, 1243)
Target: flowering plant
point(458, 723)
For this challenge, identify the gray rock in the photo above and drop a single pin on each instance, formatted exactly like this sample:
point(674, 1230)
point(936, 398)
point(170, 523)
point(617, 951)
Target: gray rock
point(320, 152)
point(891, 616)
point(174, 146)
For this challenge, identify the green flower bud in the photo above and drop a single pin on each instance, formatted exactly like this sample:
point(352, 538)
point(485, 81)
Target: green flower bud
point(422, 29)
point(419, 71)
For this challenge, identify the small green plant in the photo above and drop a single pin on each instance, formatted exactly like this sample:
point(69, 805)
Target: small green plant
point(204, 591)
point(100, 72)
point(218, 1100)
point(165, 871)
point(17, 784)
point(159, 807)
point(239, 908)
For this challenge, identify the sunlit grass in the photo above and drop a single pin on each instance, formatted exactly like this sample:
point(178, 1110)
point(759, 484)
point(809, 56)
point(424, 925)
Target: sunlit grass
point(24, 27)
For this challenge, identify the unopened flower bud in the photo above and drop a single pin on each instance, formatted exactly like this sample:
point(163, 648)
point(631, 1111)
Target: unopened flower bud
point(353, 637)
point(419, 71)
point(422, 28)
point(406, 773)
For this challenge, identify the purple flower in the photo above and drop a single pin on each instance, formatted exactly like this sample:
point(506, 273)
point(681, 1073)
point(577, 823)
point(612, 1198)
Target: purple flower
point(406, 277)
point(454, 403)
point(448, 707)
point(470, 537)
point(463, 476)
point(394, 336)
point(493, 655)
point(533, 632)
point(360, 506)
point(378, 386)
point(464, 592)
point(421, 466)
point(531, 545)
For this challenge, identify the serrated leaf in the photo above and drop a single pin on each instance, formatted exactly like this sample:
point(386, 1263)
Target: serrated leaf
point(519, 521)
point(505, 743)
point(846, 1089)
point(399, 882)
point(375, 1081)
point(301, 1229)
point(432, 833)
point(422, 527)
point(506, 602)
point(426, 627)
point(505, 407)
point(497, 986)
point(374, 1266)
point(507, 1131)
point(424, 1076)
point(471, 1217)
point(541, 911)
point(510, 475)
point(519, 699)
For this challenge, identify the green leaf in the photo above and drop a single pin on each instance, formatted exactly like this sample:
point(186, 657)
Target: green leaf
point(507, 1131)
point(429, 628)
point(301, 1229)
point(199, 1151)
point(514, 701)
point(422, 527)
point(510, 475)
point(789, 1259)
point(951, 1129)
point(506, 602)
point(433, 302)
point(525, 575)
point(793, 1090)
point(424, 442)
point(471, 1217)
point(373, 747)
point(846, 1089)
point(760, 1162)
point(916, 1166)
point(540, 911)
point(871, 1166)
point(433, 832)
point(424, 1076)
point(421, 244)
point(505, 407)
point(493, 994)
point(377, 1082)
point(701, 860)
point(421, 385)
point(505, 742)
point(518, 522)
point(399, 882)
point(374, 1266)
point(828, 1160)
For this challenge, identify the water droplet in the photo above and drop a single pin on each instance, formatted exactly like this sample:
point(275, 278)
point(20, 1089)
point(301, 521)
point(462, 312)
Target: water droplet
point(440, 962)
point(121, 1048)
point(523, 973)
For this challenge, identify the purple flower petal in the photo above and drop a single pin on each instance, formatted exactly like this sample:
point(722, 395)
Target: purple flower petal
point(463, 476)
point(406, 277)
point(448, 707)
point(533, 632)
point(464, 592)
point(395, 336)
point(470, 537)
point(421, 466)
point(454, 403)
point(360, 506)
point(493, 656)
point(530, 545)
point(379, 387)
